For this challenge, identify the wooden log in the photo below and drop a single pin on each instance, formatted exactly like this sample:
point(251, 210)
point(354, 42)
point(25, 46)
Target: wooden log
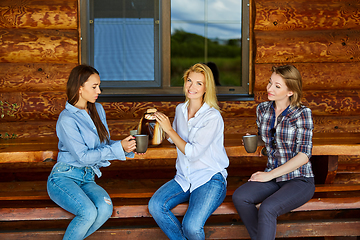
point(31, 46)
point(131, 110)
point(34, 105)
point(281, 15)
point(308, 46)
point(336, 124)
point(316, 76)
point(54, 14)
point(23, 128)
point(322, 103)
point(34, 77)
point(347, 178)
point(349, 159)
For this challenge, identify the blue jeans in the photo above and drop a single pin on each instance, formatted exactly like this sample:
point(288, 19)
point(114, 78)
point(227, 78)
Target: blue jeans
point(276, 198)
point(203, 201)
point(74, 189)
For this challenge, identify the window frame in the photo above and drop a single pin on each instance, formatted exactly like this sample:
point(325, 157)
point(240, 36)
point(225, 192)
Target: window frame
point(165, 91)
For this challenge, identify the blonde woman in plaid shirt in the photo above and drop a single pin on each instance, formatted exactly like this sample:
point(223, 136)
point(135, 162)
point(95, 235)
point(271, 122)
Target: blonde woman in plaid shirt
point(285, 126)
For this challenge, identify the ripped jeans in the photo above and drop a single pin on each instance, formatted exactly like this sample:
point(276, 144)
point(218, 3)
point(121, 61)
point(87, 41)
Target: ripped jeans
point(74, 189)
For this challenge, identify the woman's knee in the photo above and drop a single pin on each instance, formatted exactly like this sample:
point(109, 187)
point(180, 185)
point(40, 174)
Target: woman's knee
point(193, 231)
point(105, 208)
point(88, 213)
point(240, 197)
point(267, 211)
point(155, 206)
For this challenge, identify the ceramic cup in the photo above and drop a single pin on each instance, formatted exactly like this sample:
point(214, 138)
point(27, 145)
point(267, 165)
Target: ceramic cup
point(250, 143)
point(142, 142)
point(133, 132)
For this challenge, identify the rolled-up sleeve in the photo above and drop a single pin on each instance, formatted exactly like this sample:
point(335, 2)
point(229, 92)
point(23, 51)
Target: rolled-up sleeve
point(305, 127)
point(72, 140)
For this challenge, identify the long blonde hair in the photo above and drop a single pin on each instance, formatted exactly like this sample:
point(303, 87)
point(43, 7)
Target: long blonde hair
point(210, 90)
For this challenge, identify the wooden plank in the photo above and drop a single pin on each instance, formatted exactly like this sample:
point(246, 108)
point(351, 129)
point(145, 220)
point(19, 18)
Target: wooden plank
point(141, 210)
point(336, 124)
point(326, 103)
point(38, 46)
point(131, 110)
point(122, 127)
point(281, 15)
point(307, 46)
point(34, 106)
point(229, 231)
point(54, 14)
point(316, 76)
point(29, 129)
point(34, 77)
point(46, 101)
point(133, 188)
point(32, 149)
point(348, 178)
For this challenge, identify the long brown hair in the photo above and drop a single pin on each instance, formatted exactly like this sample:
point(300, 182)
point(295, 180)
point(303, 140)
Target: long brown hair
point(78, 76)
point(210, 89)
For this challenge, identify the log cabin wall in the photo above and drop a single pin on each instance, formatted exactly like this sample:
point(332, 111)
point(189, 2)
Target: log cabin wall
point(39, 45)
point(322, 39)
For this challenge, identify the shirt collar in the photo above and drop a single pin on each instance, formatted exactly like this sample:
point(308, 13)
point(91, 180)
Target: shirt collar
point(203, 108)
point(285, 112)
point(71, 108)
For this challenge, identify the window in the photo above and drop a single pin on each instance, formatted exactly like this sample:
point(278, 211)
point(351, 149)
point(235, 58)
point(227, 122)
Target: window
point(142, 47)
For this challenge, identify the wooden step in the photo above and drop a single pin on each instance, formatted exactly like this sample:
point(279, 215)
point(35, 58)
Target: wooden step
point(132, 188)
point(348, 227)
point(130, 208)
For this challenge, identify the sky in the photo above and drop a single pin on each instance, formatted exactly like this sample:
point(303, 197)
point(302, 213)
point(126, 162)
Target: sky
point(224, 17)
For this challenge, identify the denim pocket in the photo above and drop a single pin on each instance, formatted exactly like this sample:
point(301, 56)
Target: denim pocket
point(62, 168)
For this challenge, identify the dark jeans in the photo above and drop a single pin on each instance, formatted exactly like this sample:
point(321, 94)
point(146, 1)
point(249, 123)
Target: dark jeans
point(276, 198)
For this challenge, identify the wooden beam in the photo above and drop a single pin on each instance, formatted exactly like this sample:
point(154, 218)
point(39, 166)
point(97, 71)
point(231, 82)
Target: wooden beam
point(316, 76)
point(281, 15)
point(307, 46)
point(327, 102)
point(54, 14)
point(34, 77)
point(36, 46)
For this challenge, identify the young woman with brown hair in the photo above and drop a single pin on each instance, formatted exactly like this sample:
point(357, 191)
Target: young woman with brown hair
point(285, 126)
point(84, 147)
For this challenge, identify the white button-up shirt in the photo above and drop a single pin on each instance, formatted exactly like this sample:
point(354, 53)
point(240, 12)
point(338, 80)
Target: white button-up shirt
point(204, 151)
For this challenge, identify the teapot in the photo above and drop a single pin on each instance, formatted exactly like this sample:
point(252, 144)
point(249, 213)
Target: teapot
point(149, 126)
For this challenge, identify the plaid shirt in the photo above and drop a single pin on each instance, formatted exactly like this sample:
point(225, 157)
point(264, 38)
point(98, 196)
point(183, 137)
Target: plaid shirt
point(293, 135)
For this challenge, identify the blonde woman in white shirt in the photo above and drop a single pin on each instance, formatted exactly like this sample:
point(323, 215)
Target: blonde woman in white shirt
point(198, 133)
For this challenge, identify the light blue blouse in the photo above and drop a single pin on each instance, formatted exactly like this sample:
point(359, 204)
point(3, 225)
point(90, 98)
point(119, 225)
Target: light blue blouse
point(79, 143)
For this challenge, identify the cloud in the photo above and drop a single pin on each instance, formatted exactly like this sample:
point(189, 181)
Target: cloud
point(223, 17)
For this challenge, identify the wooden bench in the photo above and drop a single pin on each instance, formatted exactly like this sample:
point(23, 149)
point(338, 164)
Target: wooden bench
point(25, 200)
